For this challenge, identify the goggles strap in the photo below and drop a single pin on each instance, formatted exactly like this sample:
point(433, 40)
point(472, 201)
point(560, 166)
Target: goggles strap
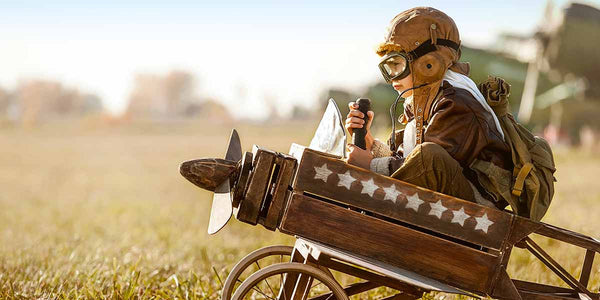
point(427, 47)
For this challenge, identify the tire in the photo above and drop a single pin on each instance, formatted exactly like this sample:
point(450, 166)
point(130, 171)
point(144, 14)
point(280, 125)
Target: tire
point(247, 261)
point(289, 268)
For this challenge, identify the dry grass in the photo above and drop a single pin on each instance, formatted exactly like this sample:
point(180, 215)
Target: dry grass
point(98, 213)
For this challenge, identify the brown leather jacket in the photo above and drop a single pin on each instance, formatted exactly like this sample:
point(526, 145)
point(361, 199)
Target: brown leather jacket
point(465, 129)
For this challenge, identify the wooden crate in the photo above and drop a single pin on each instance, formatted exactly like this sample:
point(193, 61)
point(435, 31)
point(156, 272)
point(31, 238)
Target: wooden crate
point(455, 241)
point(425, 254)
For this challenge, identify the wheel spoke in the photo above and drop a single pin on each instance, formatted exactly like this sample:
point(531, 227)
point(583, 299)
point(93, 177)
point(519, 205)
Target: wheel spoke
point(272, 291)
point(255, 288)
point(259, 290)
point(268, 285)
point(281, 286)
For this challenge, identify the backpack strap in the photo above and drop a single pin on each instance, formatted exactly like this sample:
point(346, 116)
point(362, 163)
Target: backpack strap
point(520, 180)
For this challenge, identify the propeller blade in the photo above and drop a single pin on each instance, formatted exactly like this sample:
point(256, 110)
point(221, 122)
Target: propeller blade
point(221, 209)
point(234, 149)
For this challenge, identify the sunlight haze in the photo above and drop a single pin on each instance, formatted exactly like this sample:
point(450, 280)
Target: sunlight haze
point(243, 54)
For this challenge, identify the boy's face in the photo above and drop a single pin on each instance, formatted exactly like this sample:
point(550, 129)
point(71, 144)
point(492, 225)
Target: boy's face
point(403, 84)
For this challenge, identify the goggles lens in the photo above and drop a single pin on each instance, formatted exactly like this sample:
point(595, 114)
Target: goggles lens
point(394, 66)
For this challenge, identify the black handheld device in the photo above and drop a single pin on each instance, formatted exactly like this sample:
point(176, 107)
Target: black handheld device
point(358, 134)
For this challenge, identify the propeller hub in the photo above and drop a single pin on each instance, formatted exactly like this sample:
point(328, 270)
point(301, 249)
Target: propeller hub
point(208, 173)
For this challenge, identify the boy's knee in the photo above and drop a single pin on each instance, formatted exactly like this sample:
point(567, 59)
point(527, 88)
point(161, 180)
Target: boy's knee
point(433, 154)
point(430, 151)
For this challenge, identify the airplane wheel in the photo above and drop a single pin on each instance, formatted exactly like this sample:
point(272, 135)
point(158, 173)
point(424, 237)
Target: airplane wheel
point(253, 262)
point(307, 282)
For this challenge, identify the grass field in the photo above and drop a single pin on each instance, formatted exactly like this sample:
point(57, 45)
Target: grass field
point(102, 213)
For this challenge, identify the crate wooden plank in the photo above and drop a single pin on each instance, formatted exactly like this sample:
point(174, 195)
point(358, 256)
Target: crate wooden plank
point(336, 180)
point(424, 254)
point(249, 208)
point(570, 237)
point(503, 287)
point(287, 169)
point(521, 228)
point(586, 269)
point(548, 296)
point(540, 288)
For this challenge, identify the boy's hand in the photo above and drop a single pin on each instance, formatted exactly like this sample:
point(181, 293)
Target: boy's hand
point(354, 120)
point(359, 157)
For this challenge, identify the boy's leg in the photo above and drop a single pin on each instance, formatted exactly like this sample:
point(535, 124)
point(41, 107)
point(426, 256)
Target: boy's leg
point(430, 166)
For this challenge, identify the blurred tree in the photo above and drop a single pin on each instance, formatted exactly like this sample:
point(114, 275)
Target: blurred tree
point(41, 99)
point(170, 96)
point(208, 109)
point(341, 97)
point(4, 102)
point(148, 98)
point(270, 104)
point(301, 113)
point(179, 91)
point(215, 110)
point(382, 96)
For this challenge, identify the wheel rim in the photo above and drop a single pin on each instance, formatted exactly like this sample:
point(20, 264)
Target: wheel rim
point(254, 261)
point(258, 286)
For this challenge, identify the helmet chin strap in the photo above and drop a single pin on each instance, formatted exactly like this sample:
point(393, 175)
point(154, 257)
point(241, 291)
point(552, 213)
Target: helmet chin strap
point(393, 115)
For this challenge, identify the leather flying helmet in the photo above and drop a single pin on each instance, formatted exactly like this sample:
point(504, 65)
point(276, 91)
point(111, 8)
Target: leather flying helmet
point(421, 42)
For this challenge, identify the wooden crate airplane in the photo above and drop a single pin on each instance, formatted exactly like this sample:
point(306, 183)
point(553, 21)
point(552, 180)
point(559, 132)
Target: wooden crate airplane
point(376, 228)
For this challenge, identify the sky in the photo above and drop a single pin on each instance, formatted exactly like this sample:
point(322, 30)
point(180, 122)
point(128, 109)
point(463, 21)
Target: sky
point(242, 52)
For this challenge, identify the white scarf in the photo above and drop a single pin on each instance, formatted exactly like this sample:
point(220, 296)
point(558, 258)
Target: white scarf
point(456, 80)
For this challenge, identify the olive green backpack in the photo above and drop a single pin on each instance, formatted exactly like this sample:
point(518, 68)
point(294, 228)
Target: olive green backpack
point(530, 186)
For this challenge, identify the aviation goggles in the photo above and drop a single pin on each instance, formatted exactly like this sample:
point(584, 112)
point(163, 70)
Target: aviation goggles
point(394, 65)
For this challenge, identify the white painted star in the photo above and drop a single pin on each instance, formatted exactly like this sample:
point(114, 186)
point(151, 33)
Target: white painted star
point(437, 209)
point(346, 180)
point(391, 193)
point(414, 202)
point(369, 187)
point(322, 172)
point(483, 223)
point(459, 216)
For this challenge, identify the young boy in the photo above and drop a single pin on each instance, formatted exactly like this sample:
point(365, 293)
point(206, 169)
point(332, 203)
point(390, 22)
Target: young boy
point(448, 121)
